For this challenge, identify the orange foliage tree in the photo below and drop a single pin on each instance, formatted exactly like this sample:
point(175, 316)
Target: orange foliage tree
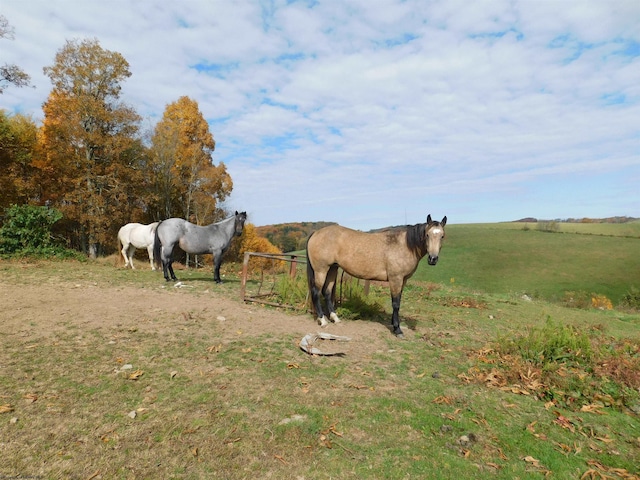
point(18, 140)
point(252, 242)
point(89, 142)
point(187, 183)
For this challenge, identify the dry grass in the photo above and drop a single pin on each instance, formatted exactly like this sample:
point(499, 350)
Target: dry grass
point(109, 373)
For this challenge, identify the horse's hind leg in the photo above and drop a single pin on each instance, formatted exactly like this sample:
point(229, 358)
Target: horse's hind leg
point(329, 292)
point(130, 252)
point(150, 252)
point(125, 254)
point(167, 260)
point(170, 269)
point(316, 278)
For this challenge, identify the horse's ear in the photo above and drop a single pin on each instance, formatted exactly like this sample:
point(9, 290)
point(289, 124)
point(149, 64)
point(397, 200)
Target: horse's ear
point(444, 221)
point(429, 218)
point(236, 212)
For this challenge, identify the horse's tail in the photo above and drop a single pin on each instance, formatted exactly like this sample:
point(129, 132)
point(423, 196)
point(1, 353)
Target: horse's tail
point(119, 246)
point(156, 247)
point(311, 277)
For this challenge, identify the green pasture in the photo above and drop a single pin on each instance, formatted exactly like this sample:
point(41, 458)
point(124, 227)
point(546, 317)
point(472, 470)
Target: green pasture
point(516, 258)
point(488, 383)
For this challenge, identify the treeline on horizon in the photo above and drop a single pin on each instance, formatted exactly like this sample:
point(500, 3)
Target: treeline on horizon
point(289, 237)
point(621, 219)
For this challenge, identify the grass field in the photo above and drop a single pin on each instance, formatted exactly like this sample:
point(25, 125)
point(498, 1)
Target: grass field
point(107, 373)
point(602, 259)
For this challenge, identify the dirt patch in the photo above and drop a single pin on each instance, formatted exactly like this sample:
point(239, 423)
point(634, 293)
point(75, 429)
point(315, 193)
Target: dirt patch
point(41, 311)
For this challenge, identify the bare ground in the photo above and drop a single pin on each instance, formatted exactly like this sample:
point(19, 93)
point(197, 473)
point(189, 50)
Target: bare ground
point(37, 311)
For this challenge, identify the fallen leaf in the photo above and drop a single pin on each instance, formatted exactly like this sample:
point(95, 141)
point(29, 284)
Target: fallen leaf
point(93, 475)
point(281, 458)
point(564, 422)
point(30, 397)
point(533, 461)
point(443, 399)
point(6, 408)
point(358, 387)
point(136, 375)
point(593, 408)
point(173, 374)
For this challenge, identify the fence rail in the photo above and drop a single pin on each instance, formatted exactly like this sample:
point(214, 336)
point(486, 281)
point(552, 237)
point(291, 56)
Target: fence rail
point(294, 260)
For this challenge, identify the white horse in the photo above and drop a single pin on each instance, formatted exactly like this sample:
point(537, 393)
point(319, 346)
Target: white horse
point(136, 235)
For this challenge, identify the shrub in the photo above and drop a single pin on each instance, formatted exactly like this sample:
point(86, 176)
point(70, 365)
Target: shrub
point(551, 343)
point(27, 231)
point(631, 299)
point(551, 227)
point(601, 302)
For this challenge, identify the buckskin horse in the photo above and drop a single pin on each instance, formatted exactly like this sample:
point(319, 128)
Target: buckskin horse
point(390, 255)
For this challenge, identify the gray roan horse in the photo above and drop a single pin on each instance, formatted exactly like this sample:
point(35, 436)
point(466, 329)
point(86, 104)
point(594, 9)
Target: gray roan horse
point(214, 239)
point(136, 235)
point(390, 255)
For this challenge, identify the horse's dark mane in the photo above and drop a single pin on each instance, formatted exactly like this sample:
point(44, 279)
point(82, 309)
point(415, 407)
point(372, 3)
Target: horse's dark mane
point(417, 239)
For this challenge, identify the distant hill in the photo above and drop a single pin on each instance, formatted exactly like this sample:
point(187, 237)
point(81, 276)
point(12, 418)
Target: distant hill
point(623, 219)
point(290, 237)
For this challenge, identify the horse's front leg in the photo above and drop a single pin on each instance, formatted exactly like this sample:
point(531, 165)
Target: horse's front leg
point(396, 287)
point(395, 317)
point(217, 261)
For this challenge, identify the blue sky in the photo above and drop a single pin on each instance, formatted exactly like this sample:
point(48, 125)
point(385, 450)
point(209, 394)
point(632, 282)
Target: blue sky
point(372, 113)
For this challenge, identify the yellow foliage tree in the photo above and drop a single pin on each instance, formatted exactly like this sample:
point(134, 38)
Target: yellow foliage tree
point(188, 184)
point(18, 141)
point(252, 242)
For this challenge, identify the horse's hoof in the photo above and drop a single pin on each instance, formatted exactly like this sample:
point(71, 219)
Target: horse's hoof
point(400, 335)
point(322, 321)
point(334, 318)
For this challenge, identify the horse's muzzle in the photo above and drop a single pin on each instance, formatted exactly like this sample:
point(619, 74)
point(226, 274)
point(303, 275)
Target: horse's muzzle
point(432, 260)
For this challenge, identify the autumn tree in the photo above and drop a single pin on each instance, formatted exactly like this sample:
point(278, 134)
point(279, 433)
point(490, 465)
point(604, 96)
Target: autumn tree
point(251, 241)
point(90, 141)
point(187, 182)
point(11, 74)
point(18, 142)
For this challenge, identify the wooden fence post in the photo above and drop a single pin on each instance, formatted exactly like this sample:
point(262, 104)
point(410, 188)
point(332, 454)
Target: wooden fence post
point(245, 271)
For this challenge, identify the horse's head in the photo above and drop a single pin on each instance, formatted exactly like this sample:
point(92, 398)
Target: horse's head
point(239, 224)
point(435, 234)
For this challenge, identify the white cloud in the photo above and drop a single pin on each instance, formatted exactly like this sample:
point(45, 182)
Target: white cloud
point(372, 114)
